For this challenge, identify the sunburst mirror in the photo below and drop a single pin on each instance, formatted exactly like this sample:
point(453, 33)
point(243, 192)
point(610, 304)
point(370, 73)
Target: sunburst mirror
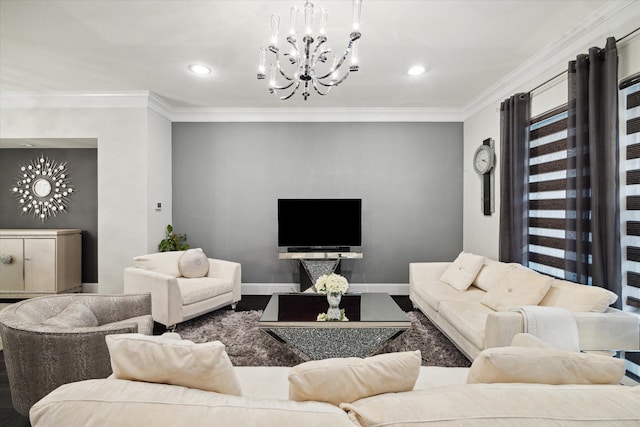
point(43, 188)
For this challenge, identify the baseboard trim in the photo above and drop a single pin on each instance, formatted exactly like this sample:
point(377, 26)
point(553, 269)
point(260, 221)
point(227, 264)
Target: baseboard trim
point(271, 288)
point(90, 288)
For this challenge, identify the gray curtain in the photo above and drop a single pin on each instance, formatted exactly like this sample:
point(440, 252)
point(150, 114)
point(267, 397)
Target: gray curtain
point(514, 164)
point(593, 146)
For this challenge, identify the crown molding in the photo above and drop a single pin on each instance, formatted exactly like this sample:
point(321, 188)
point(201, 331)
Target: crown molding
point(612, 19)
point(28, 100)
point(316, 115)
point(160, 106)
point(146, 99)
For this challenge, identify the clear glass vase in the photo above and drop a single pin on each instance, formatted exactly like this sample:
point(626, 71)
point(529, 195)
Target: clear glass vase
point(334, 306)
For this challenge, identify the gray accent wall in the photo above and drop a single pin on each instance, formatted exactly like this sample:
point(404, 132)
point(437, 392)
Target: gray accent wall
point(227, 178)
point(83, 209)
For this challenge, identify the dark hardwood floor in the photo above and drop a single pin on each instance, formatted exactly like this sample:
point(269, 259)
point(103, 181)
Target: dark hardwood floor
point(10, 418)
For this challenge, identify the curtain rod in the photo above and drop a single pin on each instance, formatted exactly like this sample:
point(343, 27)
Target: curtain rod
point(565, 71)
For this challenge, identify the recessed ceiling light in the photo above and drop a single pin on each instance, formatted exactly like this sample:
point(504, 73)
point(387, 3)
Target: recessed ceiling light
point(416, 70)
point(202, 70)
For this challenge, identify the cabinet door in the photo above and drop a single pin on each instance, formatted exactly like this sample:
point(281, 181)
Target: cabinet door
point(39, 265)
point(11, 276)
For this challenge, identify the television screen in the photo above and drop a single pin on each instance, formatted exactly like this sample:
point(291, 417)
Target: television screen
point(319, 223)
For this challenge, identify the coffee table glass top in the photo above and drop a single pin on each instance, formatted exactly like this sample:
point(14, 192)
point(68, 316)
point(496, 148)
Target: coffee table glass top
point(362, 310)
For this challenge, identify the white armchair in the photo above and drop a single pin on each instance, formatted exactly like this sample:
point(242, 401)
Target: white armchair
point(175, 298)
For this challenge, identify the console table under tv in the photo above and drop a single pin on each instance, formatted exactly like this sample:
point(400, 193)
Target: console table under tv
point(314, 264)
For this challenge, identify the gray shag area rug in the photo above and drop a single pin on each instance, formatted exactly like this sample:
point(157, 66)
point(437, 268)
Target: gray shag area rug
point(247, 345)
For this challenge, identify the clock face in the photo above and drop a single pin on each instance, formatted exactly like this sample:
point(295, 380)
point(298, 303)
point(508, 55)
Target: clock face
point(483, 159)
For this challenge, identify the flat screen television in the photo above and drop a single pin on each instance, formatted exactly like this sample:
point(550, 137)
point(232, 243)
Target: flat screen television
point(319, 223)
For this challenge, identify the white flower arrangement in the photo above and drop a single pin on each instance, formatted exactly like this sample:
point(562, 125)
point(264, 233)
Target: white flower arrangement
point(332, 284)
point(322, 317)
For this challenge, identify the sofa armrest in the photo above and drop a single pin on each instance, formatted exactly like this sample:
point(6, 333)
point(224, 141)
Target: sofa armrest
point(501, 327)
point(115, 308)
point(426, 271)
point(611, 330)
point(228, 270)
point(166, 299)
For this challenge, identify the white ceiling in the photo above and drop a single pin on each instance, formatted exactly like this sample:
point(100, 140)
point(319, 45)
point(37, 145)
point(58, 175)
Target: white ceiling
point(113, 46)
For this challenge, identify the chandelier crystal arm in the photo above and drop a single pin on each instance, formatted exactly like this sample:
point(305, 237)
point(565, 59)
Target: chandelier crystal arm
point(291, 82)
point(317, 89)
point(334, 82)
point(283, 98)
point(345, 55)
point(283, 74)
point(315, 57)
point(295, 53)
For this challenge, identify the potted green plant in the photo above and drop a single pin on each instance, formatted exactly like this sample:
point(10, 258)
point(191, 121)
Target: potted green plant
point(173, 241)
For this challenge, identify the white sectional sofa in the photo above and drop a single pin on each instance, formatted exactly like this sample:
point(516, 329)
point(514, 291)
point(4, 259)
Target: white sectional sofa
point(474, 308)
point(390, 390)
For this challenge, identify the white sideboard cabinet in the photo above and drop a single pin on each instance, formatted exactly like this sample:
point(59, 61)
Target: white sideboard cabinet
point(39, 261)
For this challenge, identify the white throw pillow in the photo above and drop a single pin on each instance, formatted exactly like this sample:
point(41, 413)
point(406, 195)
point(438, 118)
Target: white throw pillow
point(520, 286)
point(75, 315)
point(349, 379)
point(168, 360)
point(578, 298)
point(544, 366)
point(491, 273)
point(162, 262)
point(461, 273)
point(193, 264)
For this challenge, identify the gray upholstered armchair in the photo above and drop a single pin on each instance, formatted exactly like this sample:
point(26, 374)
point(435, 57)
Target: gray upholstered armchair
point(53, 340)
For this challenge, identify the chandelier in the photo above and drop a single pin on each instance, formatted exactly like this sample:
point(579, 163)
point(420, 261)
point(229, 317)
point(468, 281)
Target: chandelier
point(307, 64)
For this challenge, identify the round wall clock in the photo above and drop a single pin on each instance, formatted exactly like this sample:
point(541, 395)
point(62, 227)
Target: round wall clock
point(43, 188)
point(483, 159)
point(483, 163)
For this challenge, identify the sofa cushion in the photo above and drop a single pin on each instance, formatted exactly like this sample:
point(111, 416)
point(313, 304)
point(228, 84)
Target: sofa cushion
point(194, 290)
point(544, 366)
point(165, 360)
point(161, 262)
point(500, 405)
point(578, 298)
point(434, 292)
point(193, 263)
point(122, 403)
point(462, 271)
point(75, 315)
point(349, 379)
point(520, 286)
point(491, 273)
point(469, 318)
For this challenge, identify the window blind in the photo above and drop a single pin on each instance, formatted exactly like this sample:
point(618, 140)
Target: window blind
point(630, 114)
point(548, 182)
point(630, 220)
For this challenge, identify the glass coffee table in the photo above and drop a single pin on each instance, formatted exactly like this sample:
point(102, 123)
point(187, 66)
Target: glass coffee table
point(374, 318)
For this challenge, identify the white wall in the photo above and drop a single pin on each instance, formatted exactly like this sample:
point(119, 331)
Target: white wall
point(480, 232)
point(158, 178)
point(124, 174)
